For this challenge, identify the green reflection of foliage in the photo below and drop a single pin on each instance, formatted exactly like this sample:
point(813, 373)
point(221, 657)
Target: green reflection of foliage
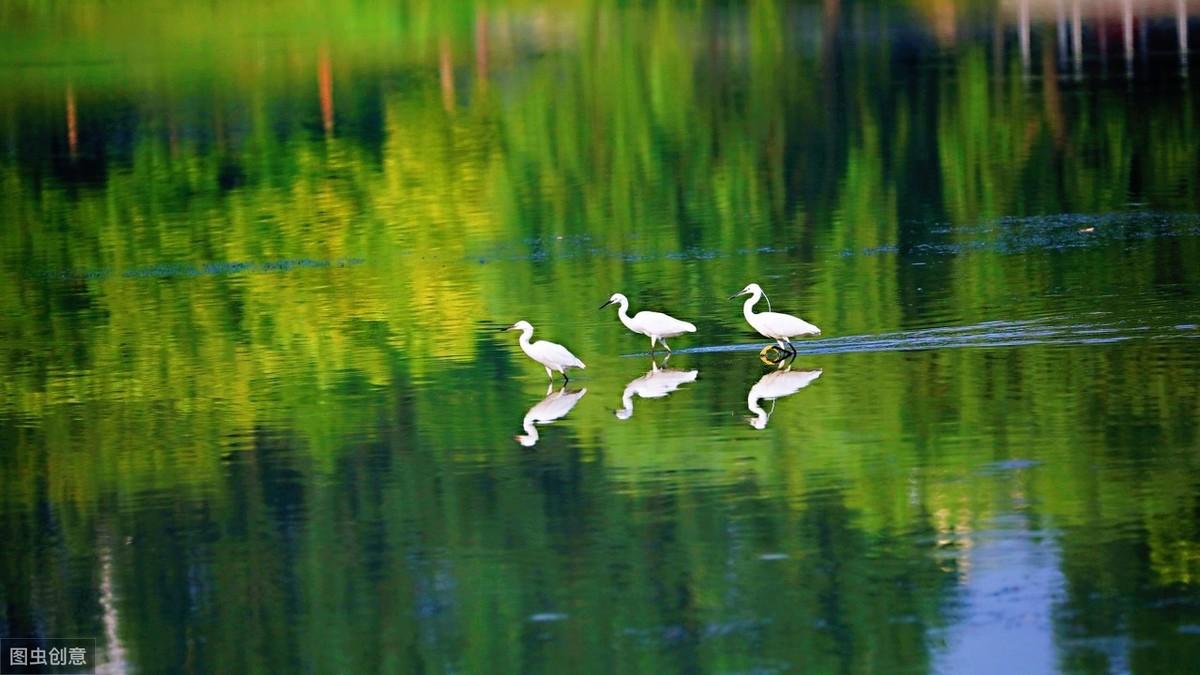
point(342, 419)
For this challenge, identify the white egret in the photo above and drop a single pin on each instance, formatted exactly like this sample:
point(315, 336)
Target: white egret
point(556, 405)
point(552, 356)
point(775, 385)
point(654, 325)
point(779, 327)
point(655, 384)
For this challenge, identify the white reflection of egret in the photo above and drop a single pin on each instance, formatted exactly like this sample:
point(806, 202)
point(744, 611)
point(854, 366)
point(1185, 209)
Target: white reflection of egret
point(654, 325)
point(775, 385)
point(554, 406)
point(655, 384)
point(779, 327)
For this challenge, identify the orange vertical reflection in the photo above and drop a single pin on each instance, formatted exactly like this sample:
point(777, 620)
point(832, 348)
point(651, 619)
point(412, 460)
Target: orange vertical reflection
point(325, 88)
point(72, 123)
point(446, 74)
point(830, 15)
point(944, 16)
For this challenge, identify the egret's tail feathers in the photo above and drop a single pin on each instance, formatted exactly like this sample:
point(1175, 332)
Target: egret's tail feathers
point(690, 328)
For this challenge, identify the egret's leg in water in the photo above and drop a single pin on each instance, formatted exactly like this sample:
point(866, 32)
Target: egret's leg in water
point(549, 373)
point(791, 347)
point(664, 344)
point(767, 359)
point(565, 378)
point(652, 341)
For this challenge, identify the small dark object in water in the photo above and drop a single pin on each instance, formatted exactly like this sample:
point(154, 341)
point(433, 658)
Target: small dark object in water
point(230, 175)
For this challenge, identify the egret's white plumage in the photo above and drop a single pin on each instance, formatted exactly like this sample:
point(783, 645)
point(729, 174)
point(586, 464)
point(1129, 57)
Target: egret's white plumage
point(654, 325)
point(552, 356)
point(554, 406)
point(775, 385)
point(655, 384)
point(779, 327)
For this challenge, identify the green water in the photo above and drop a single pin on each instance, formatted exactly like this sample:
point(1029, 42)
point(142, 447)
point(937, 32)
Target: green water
point(256, 415)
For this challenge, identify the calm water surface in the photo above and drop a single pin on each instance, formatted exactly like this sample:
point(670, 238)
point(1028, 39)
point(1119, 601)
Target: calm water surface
point(256, 415)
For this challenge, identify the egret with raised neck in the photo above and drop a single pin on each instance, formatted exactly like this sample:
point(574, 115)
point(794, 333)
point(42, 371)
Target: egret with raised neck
point(654, 325)
point(775, 325)
point(551, 355)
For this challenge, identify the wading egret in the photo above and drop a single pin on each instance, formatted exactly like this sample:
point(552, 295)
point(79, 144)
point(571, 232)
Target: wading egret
point(552, 356)
point(654, 325)
point(779, 327)
point(655, 384)
point(555, 405)
point(775, 385)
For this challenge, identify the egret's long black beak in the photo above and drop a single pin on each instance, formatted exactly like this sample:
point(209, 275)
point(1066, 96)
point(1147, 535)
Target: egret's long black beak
point(735, 295)
point(501, 330)
point(606, 304)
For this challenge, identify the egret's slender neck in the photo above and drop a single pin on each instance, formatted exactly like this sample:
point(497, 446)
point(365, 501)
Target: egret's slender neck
point(531, 433)
point(748, 306)
point(623, 312)
point(627, 399)
point(526, 333)
point(752, 404)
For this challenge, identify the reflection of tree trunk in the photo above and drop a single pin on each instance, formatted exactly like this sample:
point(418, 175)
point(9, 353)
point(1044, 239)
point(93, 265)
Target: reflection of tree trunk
point(947, 21)
point(325, 88)
point(114, 662)
point(830, 26)
point(829, 34)
point(1023, 32)
point(446, 74)
point(1102, 36)
point(1060, 29)
point(1051, 97)
point(481, 49)
point(1077, 35)
point(72, 123)
point(1127, 33)
point(1143, 40)
point(1181, 25)
point(997, 58)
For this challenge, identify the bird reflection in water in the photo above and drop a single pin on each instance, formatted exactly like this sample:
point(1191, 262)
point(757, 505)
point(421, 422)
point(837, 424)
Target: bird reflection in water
point(776, 385)
point(656, 383)
point(555, 406)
